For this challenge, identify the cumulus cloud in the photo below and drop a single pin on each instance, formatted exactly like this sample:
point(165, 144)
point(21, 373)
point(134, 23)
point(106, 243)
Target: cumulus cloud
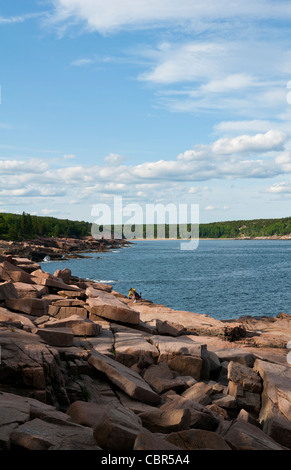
point(282, 187)
point(270, 141)
point(182, 177)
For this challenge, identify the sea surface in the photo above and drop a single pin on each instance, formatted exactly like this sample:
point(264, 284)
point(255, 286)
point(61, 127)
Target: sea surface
point(221, 278)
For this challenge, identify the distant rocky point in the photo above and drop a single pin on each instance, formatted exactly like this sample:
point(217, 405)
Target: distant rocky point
point(41, 248)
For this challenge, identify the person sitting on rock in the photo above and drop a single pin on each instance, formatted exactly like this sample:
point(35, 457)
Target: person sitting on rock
point(134, 295)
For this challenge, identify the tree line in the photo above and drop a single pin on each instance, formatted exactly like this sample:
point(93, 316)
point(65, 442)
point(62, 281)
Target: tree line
point(17, 227)
point(246, 228)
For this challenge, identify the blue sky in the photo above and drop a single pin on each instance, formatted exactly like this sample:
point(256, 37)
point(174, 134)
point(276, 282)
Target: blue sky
point(157, 101)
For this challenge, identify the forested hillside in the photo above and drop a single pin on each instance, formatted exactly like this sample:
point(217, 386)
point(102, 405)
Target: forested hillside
point(25, 226)
point(246, 228)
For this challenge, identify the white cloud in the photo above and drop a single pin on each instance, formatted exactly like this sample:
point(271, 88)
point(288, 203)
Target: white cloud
point(282, 187)
point(33, 191)
point(20, 18)
point(18, 192)
point(270, 141)
point(187, 62)
point(255, 125)
point(114, 15)
point(232, 82)
point(224, 75)
point(231, 72)
point(284, 161)
point(157, 181)
point(23, 166)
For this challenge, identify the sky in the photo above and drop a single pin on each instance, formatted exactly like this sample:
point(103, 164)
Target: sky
point(155, 101)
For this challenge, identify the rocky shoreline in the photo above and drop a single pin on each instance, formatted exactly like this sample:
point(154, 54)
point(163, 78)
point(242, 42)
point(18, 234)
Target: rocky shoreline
point(39, 248)
point(85, 368)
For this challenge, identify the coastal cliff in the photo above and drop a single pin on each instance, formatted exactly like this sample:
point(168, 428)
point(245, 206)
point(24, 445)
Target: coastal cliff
point(83, 367)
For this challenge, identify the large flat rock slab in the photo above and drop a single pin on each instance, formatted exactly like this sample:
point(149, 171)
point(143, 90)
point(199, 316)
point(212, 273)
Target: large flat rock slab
point(59, 337)
point(11, 272)
point(80, 326)
point(103, 343)
point(240, 435)
point(32, 306)
point(185, 346)
point(124, 378)
point(61, 312)
point(132, 345)
point(41, 435)
point(12, 318)
point(46, 279)
point(26, 264)
point(152, 316)
point(181, 354)
point(95, 289)
point(107, 306)
point(30, 290)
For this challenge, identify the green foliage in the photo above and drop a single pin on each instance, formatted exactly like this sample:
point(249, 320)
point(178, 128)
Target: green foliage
point(246, 228)
point(18, 227)
point(237, 228)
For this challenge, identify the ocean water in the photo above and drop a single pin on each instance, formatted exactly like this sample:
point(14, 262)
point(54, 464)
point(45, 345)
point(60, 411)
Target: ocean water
point(221, 278)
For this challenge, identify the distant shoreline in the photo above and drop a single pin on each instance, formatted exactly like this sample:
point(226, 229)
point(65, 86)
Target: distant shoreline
point(209, 239)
